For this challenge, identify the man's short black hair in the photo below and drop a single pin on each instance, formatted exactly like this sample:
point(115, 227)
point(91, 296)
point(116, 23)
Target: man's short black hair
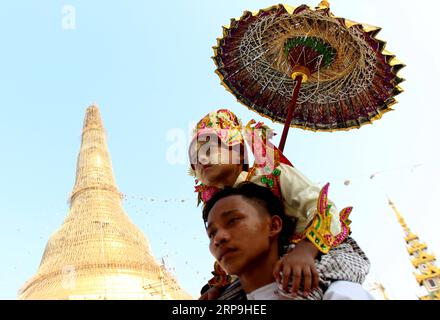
point(262, 196)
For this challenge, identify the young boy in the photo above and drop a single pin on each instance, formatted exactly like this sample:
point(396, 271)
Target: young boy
point(248, 232)
point(219, 159)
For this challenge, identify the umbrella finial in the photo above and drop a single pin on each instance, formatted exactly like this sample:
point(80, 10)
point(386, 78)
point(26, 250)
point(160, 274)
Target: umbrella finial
point(324, 5)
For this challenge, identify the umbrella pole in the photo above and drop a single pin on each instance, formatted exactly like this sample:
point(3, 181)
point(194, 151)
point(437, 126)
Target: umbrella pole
point(292, 105)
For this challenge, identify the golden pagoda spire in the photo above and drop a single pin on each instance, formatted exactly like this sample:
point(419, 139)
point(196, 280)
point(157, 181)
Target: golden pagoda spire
point(98, 253)
point(94, 167)
point(428, 274)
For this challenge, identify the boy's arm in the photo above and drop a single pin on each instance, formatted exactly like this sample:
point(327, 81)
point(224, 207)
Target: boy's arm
point(300, 196)
point(298, 266)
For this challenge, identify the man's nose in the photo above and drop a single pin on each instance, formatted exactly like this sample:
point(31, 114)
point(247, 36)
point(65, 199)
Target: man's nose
point(221, 237)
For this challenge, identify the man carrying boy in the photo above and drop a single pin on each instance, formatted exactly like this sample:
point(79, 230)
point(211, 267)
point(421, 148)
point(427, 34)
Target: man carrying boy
point(248, 233)
point(219, 159)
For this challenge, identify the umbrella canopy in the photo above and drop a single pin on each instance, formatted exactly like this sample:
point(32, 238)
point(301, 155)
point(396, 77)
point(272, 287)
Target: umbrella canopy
point(343, 76)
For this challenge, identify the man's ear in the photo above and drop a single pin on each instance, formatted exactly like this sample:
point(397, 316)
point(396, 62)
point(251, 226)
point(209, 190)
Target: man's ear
point(276, 225)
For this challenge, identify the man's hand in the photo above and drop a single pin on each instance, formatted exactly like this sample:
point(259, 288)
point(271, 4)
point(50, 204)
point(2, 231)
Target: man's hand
point(298, 264)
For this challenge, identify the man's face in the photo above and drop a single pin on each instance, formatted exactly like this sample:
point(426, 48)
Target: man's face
point(213, 160)
point(239, 233)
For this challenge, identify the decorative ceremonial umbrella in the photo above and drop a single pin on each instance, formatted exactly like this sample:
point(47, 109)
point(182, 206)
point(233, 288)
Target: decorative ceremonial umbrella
point(307, 68)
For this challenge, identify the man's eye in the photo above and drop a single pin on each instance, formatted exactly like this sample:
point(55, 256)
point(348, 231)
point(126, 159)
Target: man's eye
point(233, 220)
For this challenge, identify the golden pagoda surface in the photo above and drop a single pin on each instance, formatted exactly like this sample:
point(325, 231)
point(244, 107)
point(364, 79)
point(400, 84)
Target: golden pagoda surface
point(98, 253)
point(428, 274)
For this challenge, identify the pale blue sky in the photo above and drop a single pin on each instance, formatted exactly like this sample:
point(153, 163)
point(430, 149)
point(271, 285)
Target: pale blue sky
point(148, 66)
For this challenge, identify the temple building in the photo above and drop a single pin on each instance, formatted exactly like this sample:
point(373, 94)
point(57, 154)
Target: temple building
point(428, 274)
point(98, 253)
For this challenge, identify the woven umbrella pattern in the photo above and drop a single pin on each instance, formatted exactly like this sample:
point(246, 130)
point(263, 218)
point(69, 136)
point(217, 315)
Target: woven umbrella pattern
point(349, 78)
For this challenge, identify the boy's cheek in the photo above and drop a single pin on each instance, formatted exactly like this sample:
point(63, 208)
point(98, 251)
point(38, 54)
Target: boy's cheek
point(199, 175)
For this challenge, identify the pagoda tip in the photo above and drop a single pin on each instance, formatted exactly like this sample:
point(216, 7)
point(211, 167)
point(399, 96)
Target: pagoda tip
point(93, 105)
point(324, 5)
point(92, 117)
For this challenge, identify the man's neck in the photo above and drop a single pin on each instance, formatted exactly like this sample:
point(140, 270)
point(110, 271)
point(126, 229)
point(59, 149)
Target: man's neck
point(260, 274)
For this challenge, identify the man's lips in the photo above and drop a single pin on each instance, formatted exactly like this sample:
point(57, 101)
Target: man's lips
point(225, 252)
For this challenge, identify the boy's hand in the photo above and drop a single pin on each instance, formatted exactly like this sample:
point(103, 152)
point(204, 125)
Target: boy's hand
point(297, 264)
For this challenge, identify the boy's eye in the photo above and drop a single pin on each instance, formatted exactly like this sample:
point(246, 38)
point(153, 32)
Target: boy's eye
point(211, 234)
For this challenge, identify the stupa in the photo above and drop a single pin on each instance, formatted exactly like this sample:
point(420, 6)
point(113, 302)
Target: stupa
point(98, 253)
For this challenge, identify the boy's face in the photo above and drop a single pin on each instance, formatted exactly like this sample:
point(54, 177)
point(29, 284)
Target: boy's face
point(214, 161)
point(239, 231)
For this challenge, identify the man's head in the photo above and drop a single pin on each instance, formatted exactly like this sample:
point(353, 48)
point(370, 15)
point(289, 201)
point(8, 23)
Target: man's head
point(245, 225)
point(217, 151)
